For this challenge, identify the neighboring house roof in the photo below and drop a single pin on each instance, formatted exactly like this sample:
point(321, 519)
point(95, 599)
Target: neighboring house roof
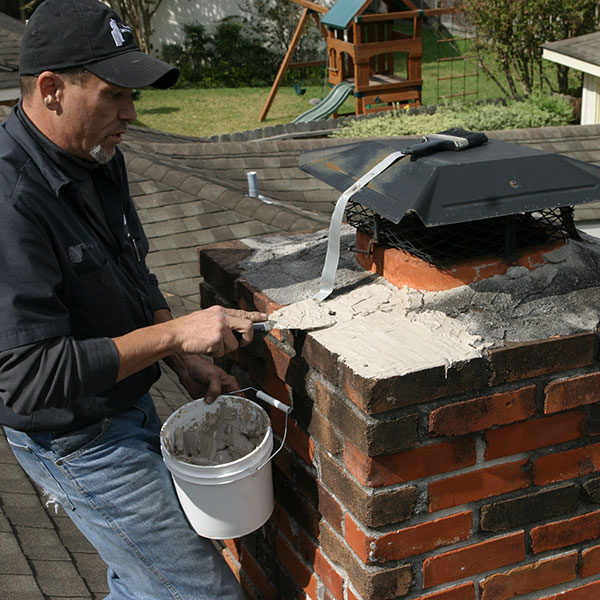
point(581, 53)
point(11, 32)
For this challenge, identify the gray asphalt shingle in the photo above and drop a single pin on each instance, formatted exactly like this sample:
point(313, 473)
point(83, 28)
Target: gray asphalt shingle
point(584, 47)
point(11, 32)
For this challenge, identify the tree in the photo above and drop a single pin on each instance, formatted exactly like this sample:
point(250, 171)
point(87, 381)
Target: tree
point(274, 22)
point(138, 15)
point(511, 33)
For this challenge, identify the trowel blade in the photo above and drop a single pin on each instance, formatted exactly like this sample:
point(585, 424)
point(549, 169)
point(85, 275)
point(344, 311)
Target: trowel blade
point(306, 315)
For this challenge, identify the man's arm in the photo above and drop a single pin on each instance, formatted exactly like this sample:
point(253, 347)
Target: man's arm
point(55, 373)
point(208, 332)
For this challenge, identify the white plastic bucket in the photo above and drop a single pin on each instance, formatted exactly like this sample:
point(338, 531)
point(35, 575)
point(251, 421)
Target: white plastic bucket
point(227, 500)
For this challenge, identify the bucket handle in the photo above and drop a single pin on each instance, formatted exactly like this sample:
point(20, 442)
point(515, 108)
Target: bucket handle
point(276, 404)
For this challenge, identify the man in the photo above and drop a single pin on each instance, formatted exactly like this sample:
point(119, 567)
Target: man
point(83, 323)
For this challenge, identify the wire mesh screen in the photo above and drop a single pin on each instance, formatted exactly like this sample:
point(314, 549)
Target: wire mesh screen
point(445, 244)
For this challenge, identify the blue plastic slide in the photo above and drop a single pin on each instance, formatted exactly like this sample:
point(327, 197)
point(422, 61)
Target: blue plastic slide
point(329, 105)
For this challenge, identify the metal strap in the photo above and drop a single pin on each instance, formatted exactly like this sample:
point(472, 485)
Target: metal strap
point(332, 257)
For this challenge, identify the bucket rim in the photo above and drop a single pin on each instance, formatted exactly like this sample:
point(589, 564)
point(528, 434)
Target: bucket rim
point(224, 472)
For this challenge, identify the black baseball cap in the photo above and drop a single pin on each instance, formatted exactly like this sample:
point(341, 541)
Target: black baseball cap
point(88, 33)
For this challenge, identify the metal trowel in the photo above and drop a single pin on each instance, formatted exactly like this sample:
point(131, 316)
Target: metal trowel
point(306, 315)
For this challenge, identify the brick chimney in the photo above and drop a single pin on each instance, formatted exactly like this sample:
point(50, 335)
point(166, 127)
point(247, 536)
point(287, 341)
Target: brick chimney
point(469, 475)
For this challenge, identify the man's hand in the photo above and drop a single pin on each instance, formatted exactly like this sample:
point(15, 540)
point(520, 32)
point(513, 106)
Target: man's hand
point(202, 378)
point(209, 332)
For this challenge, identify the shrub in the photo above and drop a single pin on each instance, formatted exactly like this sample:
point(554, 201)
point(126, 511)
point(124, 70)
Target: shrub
point(536, 111)
point(240, 60)
point(229, 57)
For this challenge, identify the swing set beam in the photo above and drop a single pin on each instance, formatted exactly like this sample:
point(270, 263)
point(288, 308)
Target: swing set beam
point(310, 9)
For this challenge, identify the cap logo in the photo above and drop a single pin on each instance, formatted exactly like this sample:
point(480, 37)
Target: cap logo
point(117, 32)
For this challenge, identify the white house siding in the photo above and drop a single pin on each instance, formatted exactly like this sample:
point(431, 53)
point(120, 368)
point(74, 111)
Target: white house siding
point(172, 14)
point(590, 105)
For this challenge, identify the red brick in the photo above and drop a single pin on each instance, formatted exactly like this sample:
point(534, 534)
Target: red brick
point(285, 365)
point(537, 505)
point(591, 591)
point(531, 435)
point(249, 298)
point(281, 518)
point(296, 567)
point(296, 438)
point(425, 461)
point(272, 385)
point(571, 393)
point(233, 545)
point(264, 377)
point(284, 460)
point(297, 505)
point(277, 359)
point(307, 547)
point(476, 485)
point(258, 577)
point(409, 541)
point(478, 414)
point(532, 359)
point(401, 268)
point(373, 508)
point(473, 559)
point(460, 592)
point(369, 583)
point(233, 564)
point(219, 265)
point(321, 359)
point(565, 533)
point(374, 395)
point(330, 509)
point(329, 576)
point(371, 435)
point(321, 431)
point(567, 465)
point(590, 562)
point(209, 297)
point(352, 595)
point(529, 578)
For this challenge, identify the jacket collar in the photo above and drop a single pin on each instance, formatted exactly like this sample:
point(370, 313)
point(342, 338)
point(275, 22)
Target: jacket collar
point(49, 159)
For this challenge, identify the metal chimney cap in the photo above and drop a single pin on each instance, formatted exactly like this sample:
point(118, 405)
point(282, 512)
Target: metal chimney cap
point(495, 179)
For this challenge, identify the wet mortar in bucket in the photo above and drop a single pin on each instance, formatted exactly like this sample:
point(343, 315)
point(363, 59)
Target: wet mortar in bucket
point(220, 437)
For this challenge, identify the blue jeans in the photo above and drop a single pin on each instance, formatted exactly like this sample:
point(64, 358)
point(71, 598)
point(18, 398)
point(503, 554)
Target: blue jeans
point(111, 480)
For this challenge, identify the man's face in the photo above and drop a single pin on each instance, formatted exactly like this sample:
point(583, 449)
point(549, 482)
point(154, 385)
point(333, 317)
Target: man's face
point(96, 114)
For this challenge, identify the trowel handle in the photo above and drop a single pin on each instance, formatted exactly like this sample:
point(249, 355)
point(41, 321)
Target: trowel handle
point(273, 402)
point(451, 139)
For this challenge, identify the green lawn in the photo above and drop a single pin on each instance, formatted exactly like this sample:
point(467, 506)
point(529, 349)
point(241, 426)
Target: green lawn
point(206, 112)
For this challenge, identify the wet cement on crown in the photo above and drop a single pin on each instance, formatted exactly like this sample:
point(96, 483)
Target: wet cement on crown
point(381, 330)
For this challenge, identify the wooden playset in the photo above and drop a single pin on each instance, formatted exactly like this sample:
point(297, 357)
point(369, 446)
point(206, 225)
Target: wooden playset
point(366, 49)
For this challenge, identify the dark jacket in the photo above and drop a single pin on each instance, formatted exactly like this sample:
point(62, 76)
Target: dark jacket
point(68, 283)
